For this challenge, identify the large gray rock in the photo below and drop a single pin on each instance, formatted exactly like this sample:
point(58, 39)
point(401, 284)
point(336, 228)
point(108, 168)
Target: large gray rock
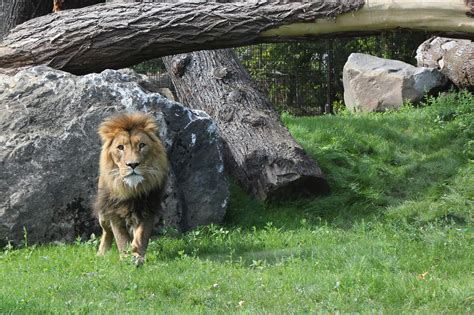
point(376, 84)
point(50, 151)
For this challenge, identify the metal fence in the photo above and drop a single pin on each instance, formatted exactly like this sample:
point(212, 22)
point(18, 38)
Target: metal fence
point(293, 76)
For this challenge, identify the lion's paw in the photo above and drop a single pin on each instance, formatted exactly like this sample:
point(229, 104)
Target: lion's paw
point(138, 260)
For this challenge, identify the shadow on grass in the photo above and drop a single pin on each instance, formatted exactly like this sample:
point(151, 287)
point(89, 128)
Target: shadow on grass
point(240, 251)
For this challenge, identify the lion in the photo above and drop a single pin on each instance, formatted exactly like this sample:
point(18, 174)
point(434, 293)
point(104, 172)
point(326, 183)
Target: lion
point(132, 173)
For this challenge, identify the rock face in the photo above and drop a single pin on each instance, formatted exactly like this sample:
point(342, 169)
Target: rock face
point(453, 57)
point(376, 84)
point(50, 153)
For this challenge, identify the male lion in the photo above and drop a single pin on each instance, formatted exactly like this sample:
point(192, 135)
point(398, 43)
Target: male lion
point(133, 169)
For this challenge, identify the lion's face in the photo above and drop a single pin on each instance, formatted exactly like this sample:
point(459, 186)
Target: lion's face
point(132, 153)
point(133, 159)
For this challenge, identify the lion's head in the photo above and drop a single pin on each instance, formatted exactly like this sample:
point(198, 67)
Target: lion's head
point(133, 160)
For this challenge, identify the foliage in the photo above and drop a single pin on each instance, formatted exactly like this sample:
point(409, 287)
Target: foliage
point(395, 235)
point(150, 66)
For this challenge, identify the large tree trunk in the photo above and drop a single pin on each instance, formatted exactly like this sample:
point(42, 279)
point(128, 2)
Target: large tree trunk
point(14, 12)
point(260, 151)
point(454, 58)
point(119, 35)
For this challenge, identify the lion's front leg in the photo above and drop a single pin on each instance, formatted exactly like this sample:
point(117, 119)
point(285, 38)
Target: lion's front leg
point(141, 237)
point(122, 238)
point(107, 236)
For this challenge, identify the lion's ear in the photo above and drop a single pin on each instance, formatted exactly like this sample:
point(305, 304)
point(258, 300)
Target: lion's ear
point(106, 131)
point(150, 125)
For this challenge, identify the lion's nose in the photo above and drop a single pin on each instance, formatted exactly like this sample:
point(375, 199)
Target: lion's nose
point(133, 165)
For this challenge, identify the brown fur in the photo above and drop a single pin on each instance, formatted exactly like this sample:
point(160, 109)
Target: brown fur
point(57, 5)
point(133, 168)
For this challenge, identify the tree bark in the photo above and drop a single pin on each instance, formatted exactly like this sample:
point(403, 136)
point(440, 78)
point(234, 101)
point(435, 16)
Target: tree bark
point(260, 152)
point(14, 12)
point(453, 57)
point(119, 35)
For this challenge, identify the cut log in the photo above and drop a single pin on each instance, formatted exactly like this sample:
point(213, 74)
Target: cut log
point(119, 35)
point(453, 57)
point(260, 152)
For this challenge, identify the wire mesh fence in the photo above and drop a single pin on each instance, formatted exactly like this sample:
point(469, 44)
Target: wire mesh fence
point(293, 76)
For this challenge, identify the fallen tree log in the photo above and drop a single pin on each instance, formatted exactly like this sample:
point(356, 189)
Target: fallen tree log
point(114, 36)
point(14, 12)
point(453, 57)
point(260, 152)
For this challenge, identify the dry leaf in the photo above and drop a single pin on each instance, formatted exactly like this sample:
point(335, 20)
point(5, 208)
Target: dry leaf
point(422, 276)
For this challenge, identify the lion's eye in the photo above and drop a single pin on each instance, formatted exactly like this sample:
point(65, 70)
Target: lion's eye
point(120, 147)
point(141, 145)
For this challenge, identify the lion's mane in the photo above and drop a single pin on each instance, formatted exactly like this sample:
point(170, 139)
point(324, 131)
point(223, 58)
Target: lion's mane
point(117, 199)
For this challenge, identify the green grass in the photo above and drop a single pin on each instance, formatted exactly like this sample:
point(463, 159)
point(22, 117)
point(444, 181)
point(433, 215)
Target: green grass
point(395, 236)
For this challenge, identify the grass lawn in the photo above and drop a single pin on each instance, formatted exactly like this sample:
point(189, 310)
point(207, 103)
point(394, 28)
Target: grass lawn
point(395, 235)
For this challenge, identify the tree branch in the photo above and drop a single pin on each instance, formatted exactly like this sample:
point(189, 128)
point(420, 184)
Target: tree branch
point(118, 35)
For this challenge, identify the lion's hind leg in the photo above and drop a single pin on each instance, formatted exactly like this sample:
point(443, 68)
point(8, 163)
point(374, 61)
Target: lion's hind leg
point(107, 237)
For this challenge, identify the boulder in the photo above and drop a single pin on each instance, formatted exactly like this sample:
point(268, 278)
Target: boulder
point(50, 153)
point(453, 57)
point(373, 84)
